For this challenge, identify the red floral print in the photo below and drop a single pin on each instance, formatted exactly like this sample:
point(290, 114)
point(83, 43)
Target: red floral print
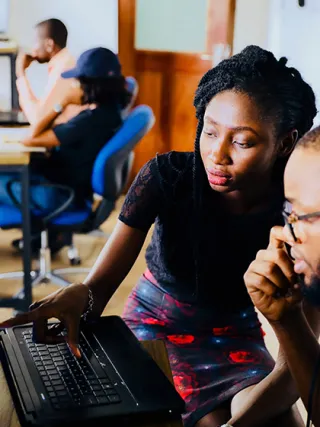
point(242, 357)
point(226, 330)
point(152, 321)
point(185, 381)
point(183, 384)
point(181, 339)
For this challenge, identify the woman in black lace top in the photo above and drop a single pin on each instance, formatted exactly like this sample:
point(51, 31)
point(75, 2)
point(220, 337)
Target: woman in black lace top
point(212, 210)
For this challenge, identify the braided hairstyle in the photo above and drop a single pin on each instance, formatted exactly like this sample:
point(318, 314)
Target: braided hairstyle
point(279, 92)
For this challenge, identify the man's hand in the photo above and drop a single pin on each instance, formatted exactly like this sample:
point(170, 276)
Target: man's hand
point(23, 61)
point(271, 281)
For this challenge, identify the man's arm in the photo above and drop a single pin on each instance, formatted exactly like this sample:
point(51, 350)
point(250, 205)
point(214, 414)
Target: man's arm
point(276, 393)
point(302, 352)
point(27, 100)
point(272, 286)
point(46, 139)
point(41, 133)
point(57, 88)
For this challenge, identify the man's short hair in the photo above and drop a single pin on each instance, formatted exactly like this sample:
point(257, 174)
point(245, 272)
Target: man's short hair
point(57, 31)
point(310, 140)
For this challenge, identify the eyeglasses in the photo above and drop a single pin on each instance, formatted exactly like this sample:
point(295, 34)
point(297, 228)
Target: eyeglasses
point(291, 218)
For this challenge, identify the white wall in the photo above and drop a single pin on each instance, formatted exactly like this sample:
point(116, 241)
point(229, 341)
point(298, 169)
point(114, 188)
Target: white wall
point(251, 24)
point(287, 30)
point(171, 25)
point(90, 23)
point(180, 25)
point(295, 33)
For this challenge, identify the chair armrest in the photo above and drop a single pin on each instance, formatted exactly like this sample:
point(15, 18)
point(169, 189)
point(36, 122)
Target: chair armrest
point(64, 206)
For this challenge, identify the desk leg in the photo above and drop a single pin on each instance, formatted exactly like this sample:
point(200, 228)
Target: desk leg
point(14, 92)
point(26, 229)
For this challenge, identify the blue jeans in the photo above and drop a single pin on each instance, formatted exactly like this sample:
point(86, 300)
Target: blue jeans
point(46, 198)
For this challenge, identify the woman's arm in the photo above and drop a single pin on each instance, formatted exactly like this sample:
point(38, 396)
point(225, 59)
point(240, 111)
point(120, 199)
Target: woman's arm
point(138, 213)
point(68, 304)
point(114, 263)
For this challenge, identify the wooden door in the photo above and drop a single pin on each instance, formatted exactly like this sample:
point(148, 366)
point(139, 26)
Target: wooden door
point(168, 80)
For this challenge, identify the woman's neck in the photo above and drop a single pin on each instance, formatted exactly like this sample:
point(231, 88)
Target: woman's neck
point(243, 202)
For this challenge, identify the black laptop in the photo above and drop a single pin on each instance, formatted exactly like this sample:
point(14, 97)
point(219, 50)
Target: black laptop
point(115, 383)
point(13, 118)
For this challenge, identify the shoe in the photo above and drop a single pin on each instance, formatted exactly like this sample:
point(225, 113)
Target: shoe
point(35, 245)
point(59, 241)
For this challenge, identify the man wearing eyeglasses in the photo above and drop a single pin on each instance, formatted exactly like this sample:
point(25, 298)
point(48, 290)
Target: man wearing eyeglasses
point(284, 279)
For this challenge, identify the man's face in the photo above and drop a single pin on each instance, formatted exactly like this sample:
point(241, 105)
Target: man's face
point(302, 190)
point(42, 46)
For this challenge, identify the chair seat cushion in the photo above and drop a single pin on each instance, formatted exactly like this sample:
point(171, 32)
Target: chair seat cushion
point(11, 216)
point(72, 217)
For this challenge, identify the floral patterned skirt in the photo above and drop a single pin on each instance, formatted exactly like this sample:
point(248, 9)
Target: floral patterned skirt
point(212, 356)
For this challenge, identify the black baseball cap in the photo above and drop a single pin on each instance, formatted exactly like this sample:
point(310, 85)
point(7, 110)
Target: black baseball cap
point(95, 63)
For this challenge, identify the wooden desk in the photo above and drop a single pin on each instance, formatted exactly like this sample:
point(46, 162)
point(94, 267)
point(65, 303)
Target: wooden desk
point(157, 349)
point(7, 158)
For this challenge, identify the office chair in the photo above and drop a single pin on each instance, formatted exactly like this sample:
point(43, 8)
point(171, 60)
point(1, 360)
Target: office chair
point(110, 176)
point(133, 87)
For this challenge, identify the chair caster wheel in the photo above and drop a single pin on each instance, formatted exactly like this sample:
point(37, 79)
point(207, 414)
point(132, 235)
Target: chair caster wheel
point(73, 256)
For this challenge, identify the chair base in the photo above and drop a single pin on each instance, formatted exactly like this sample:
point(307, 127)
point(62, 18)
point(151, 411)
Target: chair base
point(45, 274)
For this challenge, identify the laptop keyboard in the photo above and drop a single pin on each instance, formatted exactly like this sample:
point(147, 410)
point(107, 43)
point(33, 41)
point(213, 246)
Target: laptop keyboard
point(72, 382)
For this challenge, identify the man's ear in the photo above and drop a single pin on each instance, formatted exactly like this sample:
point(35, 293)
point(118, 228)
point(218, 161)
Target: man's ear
point(49, 45)
point(288, 143)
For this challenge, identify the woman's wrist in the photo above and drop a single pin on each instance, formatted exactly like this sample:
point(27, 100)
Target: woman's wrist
point(89, 307)
point(98, 301)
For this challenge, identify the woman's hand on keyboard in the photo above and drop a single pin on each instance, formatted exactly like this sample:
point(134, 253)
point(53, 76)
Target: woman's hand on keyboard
point(66, 305)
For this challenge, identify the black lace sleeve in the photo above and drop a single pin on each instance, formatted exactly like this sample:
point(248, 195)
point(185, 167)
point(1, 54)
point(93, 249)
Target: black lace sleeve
point(141, 206)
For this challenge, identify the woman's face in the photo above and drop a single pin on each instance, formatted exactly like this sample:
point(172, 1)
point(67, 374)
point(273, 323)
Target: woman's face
point(238, 148)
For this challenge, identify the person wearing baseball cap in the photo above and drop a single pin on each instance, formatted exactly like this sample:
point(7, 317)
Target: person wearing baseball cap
point(100, 88)
point(97, 63)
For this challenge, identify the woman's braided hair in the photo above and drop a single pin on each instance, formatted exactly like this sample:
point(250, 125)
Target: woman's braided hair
point(280, 93)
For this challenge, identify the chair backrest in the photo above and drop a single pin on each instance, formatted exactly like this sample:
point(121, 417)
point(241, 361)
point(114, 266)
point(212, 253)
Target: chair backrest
point(112, 166)
point(133, 88)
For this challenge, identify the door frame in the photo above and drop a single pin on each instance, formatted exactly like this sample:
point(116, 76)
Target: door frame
point(127, 25)
point(156, 73)
point(126, 36)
